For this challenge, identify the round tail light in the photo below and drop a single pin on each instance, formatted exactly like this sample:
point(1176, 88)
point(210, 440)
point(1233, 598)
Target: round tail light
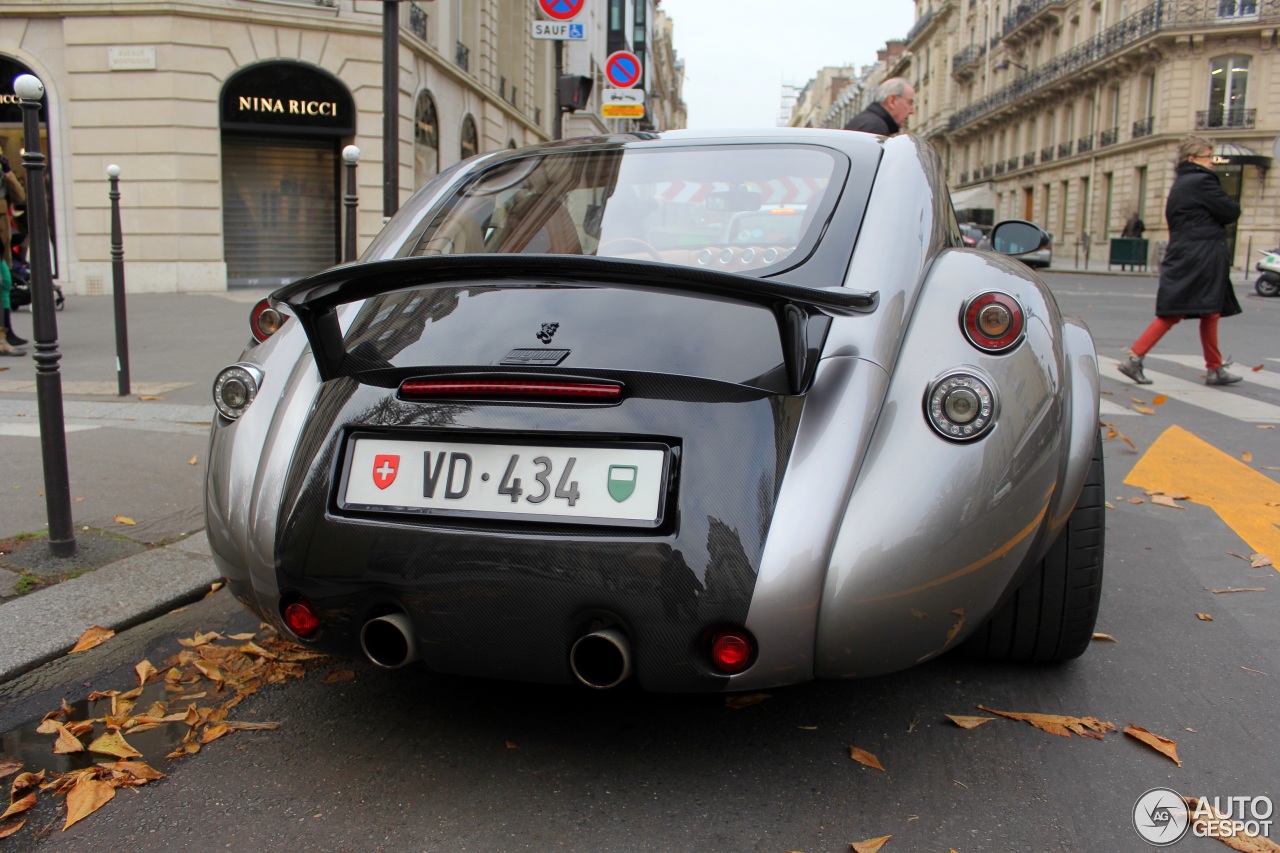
point(265, 321)
point(961, 405)
point(993, 322)
point(235, 387)
point(732, 649)
point(301, 618)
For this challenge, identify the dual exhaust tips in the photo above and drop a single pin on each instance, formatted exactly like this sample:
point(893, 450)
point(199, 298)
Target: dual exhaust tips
point(600, 659)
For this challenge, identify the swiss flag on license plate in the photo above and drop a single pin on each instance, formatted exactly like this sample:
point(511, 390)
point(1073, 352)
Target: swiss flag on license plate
point(385, 466)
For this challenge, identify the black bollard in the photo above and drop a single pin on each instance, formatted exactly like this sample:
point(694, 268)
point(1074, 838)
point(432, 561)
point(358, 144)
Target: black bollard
point(350, 156)
point(117, 285)
point(53, 436)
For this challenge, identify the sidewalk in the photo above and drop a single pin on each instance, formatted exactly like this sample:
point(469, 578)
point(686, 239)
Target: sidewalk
point(135, 466)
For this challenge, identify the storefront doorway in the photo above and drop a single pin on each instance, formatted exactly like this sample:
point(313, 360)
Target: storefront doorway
point(283, 124)
point(11, 145)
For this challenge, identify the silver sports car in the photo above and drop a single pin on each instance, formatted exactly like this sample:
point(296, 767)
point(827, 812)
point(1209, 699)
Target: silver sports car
point(716, 411)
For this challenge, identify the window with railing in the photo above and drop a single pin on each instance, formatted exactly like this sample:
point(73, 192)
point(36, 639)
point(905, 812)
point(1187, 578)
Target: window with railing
point(1084, 143)
point(964, 177)
point(462, 56)
point(1013, 163)
point(1028, 160)
point(988, 171)
point(1144, 127)
point(417, 23)
point(1064, 149)
point(1046, 154)
point(1241, 117)
point(1237, 8)
point(1228, 85)
point(1108, 137)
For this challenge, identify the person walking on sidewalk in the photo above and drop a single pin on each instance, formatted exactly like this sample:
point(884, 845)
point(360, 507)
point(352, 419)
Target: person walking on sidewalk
point(895, 101)
point(1195, 274)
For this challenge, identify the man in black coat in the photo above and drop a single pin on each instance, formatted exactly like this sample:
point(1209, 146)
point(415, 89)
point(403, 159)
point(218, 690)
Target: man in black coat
point(895, 100)
point(1195, 274)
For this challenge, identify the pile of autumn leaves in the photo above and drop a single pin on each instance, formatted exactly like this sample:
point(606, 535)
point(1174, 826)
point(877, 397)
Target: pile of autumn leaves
point(202, 684)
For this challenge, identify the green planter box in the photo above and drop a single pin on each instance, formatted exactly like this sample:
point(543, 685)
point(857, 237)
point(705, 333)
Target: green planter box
point(1128, 252)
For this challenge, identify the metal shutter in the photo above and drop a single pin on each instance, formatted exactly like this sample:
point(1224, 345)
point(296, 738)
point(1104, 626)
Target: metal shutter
point(279, 208)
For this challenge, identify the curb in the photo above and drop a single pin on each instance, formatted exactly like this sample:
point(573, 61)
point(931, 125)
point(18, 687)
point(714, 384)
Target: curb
point(46, 624)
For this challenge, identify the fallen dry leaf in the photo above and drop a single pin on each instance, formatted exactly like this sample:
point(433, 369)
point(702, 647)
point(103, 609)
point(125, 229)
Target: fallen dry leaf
point(200, 639)
point(85, 798)
point(240, 638)
point(1137, 400)
point(1240, 589)
point(113, 743)
point(8, 766)
point(6, 831)
point(192, 460)
point(337, 676)
point(150, 397)
point(67, 743)
point(145, 671)
point(965, 722)
point(1057, 724)
point(1136, 501)
point(1254, 671)
point(124, 519)
point(863, 757)
point(510, 744)
point(1159, 399)
point(137, 769)
point(1107, 637)
point(1246, 457)
point(1258, 367)
point(1166, 500)
point(212, 733)
point(1257, 561)
point(1204, 617)
point(1144, 410)
point(92, 638)
point(745, 700)
point(1112, 432)
point(871, 845)
point(251, 727)
point(1162, 745)
point(19, 806)
point(25, 782)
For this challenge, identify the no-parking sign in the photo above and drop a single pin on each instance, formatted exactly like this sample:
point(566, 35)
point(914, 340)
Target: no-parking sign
point(623, 69)
point(561, 10)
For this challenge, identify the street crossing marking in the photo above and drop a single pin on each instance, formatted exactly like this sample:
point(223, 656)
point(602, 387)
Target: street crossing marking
point(1208, 397)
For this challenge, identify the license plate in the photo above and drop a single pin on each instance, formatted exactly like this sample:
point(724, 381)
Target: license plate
point(621, 484)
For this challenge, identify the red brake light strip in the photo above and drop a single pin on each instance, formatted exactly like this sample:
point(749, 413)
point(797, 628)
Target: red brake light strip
point(419, 388)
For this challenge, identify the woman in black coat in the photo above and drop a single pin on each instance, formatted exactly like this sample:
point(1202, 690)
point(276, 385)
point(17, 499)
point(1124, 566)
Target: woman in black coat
point(1195, 274)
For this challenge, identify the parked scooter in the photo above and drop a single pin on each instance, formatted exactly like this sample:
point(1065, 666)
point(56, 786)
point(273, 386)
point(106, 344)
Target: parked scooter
point(1268, 284)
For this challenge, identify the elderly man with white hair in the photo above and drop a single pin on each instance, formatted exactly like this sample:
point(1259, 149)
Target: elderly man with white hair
point(895, 100)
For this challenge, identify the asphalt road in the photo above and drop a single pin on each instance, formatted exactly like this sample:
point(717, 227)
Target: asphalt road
point(408, 760)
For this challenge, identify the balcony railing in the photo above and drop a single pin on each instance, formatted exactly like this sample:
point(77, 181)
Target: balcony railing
point(1064, 149)
point(967, 57)
point(417, 21)
point(1108, 137)
point(964, 177)
point(1084, 143)
point(1028, 160)
point(920, 25)
point(1233, 117)
point(1046, 154)
point(462, 57)
point(1145, 127)
point(987, 171)
point(1013, 164)
point(1024, 12)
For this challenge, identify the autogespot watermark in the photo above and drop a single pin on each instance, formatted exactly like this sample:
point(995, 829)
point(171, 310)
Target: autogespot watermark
point(1163, 817)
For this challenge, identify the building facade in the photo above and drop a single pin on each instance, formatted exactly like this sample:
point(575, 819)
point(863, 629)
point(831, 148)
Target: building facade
point(1069, 112)
point(228, 119)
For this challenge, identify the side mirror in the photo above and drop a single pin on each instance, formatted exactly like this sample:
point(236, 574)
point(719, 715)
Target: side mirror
point(735, 200)
point(1018, 237)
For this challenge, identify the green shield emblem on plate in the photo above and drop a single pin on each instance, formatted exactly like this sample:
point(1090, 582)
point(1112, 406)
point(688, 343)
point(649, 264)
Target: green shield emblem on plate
point(622, 481)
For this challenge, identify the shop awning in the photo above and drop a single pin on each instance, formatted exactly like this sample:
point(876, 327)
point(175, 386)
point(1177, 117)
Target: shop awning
point(979, 197)
point(1235, 154)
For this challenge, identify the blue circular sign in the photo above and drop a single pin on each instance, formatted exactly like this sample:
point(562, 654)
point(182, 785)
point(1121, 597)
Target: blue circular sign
point(623, 69)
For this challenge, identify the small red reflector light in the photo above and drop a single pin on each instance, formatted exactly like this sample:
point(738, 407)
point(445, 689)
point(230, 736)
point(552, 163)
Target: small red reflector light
point(301, 618)
point(420, 388)
point(993, 322)
point(731, 649)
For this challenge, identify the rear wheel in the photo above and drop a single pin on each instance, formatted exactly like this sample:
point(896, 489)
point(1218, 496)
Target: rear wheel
point(1051, 616)
point(1267, 285)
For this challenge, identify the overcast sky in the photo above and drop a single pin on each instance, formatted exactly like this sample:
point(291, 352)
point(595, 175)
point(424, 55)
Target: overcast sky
point(738, 53)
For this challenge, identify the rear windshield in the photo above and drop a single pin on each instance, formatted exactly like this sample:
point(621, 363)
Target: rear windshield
point(735, 208)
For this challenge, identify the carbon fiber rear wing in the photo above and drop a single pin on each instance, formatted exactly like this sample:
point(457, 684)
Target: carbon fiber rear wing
point(315, 300)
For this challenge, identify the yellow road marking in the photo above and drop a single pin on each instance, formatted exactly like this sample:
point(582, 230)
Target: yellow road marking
point(1179, 462)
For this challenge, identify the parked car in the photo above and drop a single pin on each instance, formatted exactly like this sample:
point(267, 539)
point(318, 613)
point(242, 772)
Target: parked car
point(563, 423)
point(972, 234)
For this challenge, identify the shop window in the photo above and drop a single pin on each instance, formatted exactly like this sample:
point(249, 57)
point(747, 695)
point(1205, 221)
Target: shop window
point(426, 140)
point(470, 139)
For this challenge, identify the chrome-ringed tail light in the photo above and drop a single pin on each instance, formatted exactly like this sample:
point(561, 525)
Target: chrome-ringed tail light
point(961, 405)
point(265, 320)
point(235, 387)
point(993, 322)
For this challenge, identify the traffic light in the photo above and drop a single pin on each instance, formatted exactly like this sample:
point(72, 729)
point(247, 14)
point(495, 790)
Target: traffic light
point(575, 89)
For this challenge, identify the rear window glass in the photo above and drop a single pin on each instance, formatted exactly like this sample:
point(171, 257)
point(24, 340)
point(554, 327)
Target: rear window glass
point(735, 208)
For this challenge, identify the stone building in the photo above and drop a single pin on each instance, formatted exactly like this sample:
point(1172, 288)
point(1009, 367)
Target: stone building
point(1068, 112)
point(228, 119)
point(820, 94)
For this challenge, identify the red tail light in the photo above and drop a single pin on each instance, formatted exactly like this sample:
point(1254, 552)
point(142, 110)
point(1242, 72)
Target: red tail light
point(732, 649)
point(301, 618)
point(265, 321)
point(993, 322)
point(419, 389)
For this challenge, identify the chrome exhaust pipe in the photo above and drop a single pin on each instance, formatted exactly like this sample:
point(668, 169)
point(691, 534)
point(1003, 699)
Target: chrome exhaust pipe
point(601, 659)
point(388, 641)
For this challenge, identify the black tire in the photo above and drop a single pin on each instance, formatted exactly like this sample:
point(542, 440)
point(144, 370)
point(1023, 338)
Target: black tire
point(1051, 616)
point(1267, 285)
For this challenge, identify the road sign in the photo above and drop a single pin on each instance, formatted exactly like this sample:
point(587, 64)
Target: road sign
point(562, 30)
point(622, 103)
point(561, 10)
point(623, 69)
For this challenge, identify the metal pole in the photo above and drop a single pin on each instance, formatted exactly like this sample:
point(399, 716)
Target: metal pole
point(350, 156)
point(53, 436)
point(117, 285)
point(390, 107)
point(557, 122)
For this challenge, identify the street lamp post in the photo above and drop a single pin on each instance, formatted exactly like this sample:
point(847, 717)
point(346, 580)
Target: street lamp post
point(350, 156)
point(390, 107)
point(117, 285)
point(53, 436)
